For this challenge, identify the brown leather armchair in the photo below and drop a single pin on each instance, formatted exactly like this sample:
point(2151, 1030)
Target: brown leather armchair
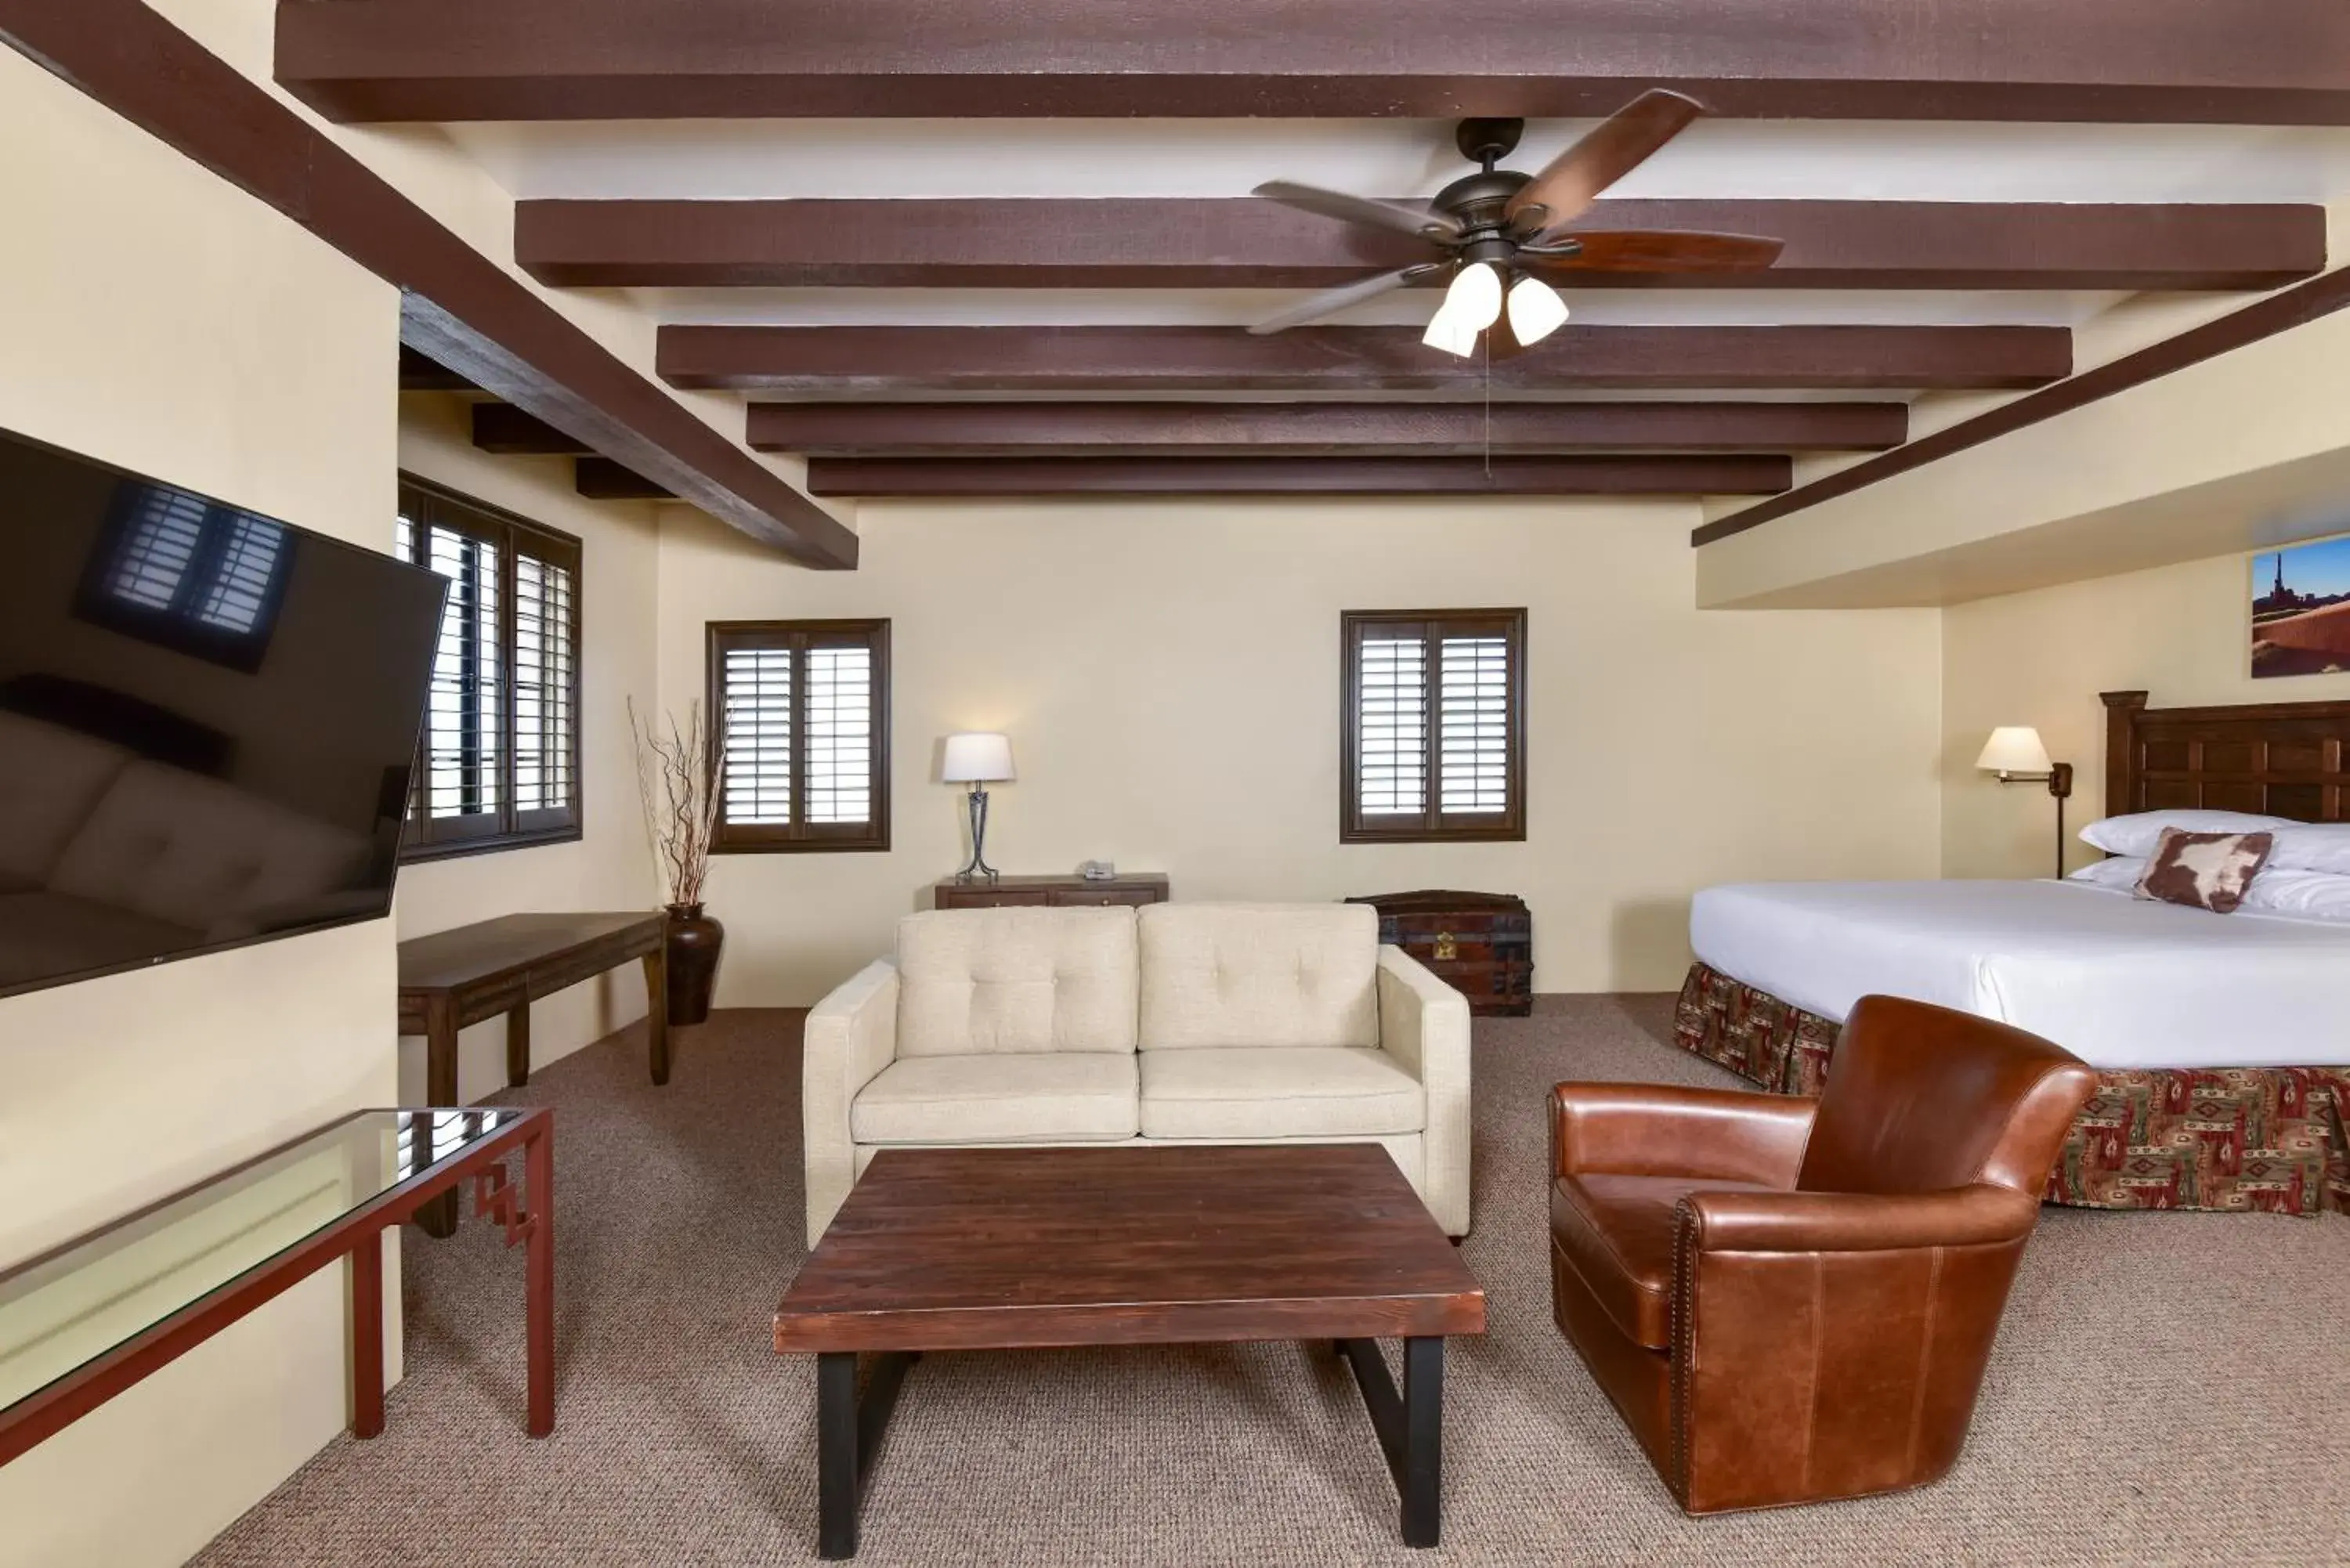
point(1792, 1300)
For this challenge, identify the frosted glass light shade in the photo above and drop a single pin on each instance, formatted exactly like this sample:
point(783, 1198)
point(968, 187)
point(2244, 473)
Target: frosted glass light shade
point(1535, 310)
point(1474, 300)
point(2014, 749)
point(977, 756)
point(1450, 333)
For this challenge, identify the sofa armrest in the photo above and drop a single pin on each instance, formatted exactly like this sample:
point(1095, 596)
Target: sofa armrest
point(1424, 1025)
point(849, 1038)
point(1664, 1129)
point(1983, 1214)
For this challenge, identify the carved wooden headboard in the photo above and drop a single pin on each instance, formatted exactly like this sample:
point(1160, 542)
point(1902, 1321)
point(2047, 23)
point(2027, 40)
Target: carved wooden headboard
point(2285, 759)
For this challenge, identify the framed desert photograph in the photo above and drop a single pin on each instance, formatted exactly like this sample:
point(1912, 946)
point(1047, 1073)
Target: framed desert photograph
point(2301, 609)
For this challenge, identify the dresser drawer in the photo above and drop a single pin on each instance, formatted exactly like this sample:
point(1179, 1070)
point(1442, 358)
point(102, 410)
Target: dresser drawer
point(979, 896)
point(1096, 897)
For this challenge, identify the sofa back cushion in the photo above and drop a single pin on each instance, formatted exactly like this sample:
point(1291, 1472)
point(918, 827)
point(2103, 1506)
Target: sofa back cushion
point(977, 981)
point(1259, 974)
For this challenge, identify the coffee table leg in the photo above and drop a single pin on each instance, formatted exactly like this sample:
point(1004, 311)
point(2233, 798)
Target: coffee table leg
point(836, 1453)
point(848, 1438)
point(1420, 1477)
point(1411, 1427)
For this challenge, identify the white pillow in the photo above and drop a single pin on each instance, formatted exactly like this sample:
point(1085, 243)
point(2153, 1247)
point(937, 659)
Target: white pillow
point(2312, 847)
point(2139, 833)
point(2122, 871)
point(2305, 895)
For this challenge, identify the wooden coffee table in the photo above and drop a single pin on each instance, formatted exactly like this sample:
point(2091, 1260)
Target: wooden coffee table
point(1005, 1249)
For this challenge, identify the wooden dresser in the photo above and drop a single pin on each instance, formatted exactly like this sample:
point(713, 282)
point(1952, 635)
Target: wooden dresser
point(1060, 892)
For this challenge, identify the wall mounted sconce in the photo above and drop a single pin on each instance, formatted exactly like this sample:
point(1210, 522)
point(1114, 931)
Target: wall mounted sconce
point(2015, 754)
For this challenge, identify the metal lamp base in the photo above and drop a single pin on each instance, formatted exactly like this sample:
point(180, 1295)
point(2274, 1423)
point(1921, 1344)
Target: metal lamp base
point(979, 870)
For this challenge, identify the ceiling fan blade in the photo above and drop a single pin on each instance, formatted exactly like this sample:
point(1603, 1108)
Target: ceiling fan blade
point(1330, 301)
point(1565, 189)
point(1361, 210)
point(1604, 250)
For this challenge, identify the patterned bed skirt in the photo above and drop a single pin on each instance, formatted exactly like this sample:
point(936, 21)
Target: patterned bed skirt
point(2224, 1139)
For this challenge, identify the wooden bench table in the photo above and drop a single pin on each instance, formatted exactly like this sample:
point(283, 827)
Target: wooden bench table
point(462, 976)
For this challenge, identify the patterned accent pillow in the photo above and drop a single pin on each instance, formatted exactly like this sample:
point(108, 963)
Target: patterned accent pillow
point(2204, 870)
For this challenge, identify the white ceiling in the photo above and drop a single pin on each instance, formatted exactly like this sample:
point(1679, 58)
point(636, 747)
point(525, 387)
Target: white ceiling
point(1869, 161)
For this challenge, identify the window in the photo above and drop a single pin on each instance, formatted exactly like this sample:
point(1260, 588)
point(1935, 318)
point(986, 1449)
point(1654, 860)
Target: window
point(801, 719)
point(500, 763)
point(1434, 738)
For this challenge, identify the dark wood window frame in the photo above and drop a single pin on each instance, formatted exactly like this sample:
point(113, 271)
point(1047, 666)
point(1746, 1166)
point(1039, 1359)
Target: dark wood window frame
point(430, 506)
point(800, 836)
point(1431, 823)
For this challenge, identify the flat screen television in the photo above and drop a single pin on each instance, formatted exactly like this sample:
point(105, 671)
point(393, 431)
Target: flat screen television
point(207, 720)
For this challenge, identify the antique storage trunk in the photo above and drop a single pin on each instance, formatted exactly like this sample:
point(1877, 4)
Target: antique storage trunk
point(1480, 943)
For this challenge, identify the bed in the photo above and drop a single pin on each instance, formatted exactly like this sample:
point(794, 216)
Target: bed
point(2222, 1042)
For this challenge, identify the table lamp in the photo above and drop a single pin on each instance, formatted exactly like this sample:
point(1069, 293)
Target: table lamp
point(2015, 754)
point(977, 758)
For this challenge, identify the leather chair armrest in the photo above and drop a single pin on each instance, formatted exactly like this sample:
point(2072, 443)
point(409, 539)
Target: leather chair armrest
point(1663, 1129)
point(1978, 1215)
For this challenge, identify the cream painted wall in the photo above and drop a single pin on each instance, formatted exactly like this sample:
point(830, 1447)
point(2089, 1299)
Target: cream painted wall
point(610, 867)
point(1169, 674)
point(2180, 633)
point(154, 317)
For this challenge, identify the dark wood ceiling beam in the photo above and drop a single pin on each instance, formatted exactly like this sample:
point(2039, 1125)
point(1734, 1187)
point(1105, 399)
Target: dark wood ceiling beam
point(1245, 243)
point(508, 431)
point(922, 476)
point(1305, 430)
point(601, 479)
point(418, 374)
point(2154, 61)
point(459, 309)
point(897, 362)
point(2281, 312)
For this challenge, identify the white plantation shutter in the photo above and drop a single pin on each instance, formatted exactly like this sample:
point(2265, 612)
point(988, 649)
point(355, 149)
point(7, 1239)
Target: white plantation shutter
point(1432, 743)
point(758, 707)
point(1473, 725)
point(1391, 726)
point(499, 760)
point(803, 708)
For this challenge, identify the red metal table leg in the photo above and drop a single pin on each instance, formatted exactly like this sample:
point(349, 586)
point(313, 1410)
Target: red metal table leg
point(538, 1159)
point(366, 1336)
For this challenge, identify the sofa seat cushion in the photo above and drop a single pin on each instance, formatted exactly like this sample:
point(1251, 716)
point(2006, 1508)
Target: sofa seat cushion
point(1616, 1232)
point(998, 1097)
point(1278, 1091)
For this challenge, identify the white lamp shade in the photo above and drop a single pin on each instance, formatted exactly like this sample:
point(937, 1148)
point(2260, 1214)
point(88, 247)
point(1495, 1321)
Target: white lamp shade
point(1451, 334)
point(1535, 310)
point(2014, 749)
point(1474, 300)
point(977, 756)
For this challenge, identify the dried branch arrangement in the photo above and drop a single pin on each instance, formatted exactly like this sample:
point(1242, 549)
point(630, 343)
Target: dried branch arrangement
point(677, 774)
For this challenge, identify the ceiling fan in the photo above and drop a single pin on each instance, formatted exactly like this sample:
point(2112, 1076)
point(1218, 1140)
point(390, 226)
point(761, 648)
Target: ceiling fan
point(1496, 228)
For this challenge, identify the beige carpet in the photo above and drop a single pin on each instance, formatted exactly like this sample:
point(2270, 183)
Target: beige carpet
point(2167, 1387)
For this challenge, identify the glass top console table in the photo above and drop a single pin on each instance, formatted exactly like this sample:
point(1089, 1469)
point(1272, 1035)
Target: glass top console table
point(83, 1322)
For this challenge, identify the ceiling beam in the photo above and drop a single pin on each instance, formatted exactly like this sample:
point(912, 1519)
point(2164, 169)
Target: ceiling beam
point(1245, 243)
point(1306, 429)
point(915, 361)
point(418, 374)
point(931, 476)
point(459, 309)
point(601, 479)
point(508, 431)
point(2279, 62)
point(2282, 312)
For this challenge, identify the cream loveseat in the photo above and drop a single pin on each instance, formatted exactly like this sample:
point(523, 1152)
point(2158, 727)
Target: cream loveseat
point(1176, 1024)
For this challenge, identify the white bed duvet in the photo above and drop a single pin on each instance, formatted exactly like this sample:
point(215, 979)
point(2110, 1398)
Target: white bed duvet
point(2119, 982)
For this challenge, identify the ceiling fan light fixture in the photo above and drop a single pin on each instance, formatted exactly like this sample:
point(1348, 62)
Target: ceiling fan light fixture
point(1450, 333)
point(1535, 310)
point(1474, 300)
